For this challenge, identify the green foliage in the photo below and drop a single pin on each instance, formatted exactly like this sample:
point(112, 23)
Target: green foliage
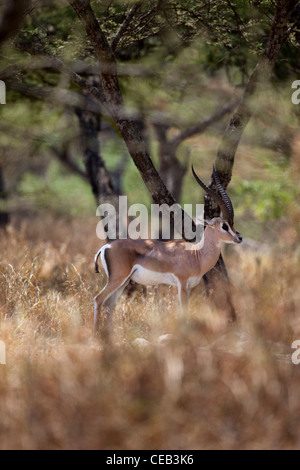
point(267, 200)
point(48, 29)
point(58, 191)
point(133, 186)
point(183, 58)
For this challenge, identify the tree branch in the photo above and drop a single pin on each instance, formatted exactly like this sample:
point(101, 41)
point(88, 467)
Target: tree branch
point(45, 93)
point(65, 158)
point(202, 125)
point(58, 64)
point(125, 25)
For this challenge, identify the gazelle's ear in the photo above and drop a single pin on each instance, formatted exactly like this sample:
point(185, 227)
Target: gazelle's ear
point(205, 222)
point(201, 221)
point(208, 222)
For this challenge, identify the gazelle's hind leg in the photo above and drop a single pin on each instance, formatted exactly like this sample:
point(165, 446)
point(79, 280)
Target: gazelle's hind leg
point(107, 299)
point(183, 297)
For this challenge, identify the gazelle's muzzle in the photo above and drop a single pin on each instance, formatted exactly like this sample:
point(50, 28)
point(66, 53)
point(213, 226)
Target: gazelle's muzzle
point(238, 238)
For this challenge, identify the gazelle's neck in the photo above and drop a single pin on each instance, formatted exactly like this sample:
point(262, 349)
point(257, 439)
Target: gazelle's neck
point(209, 249)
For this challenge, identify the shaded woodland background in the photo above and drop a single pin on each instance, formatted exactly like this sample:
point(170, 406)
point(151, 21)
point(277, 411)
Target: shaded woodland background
point(182, 71)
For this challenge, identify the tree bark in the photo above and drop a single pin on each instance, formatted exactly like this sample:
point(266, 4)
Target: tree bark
point(171, 170)
point(98, 176)
point(90, 125)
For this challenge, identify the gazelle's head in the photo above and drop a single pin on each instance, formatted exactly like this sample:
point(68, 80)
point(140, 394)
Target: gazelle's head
point(224, 225)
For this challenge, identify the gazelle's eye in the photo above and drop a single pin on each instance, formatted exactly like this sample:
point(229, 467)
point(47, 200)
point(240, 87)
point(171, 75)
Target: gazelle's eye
point(225, 227)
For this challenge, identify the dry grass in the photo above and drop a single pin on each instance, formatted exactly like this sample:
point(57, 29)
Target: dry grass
point(206, 386)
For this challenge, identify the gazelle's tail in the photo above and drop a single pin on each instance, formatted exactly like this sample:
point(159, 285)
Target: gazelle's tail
point(101, 253)
point(96, 261)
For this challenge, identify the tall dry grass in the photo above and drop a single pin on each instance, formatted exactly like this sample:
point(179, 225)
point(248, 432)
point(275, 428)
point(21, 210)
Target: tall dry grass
point(206, 385)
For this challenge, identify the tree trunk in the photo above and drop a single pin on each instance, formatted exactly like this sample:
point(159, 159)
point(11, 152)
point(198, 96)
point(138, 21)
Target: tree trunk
point(217, 279)
point(171, 170)
point(90, 125)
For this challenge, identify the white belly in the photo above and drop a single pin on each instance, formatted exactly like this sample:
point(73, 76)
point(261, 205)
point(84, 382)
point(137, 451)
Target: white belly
point(151, 278)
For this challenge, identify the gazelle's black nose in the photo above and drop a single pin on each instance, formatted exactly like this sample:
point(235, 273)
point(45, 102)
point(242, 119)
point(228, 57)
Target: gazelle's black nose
point(238, 238)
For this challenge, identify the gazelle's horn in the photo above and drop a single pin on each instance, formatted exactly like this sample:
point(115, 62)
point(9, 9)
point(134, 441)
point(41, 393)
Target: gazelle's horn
point(224, 196)
point(223, 204)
